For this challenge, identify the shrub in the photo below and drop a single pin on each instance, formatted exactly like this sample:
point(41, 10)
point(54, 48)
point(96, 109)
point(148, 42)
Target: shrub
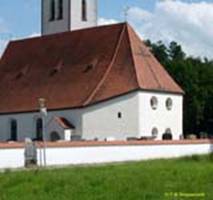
point(191, 137)
point(203, 135)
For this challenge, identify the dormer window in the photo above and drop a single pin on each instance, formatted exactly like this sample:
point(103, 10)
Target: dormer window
point(56, 69)
point(22, 73)
point(52, 10)
point(84, 10)
point(60, 9)
point(88, 68)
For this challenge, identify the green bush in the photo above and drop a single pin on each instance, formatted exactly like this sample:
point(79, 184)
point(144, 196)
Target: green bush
point(203, 135)
point(191, 137)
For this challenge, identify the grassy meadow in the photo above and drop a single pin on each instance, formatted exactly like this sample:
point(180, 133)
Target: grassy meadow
point(190, 178)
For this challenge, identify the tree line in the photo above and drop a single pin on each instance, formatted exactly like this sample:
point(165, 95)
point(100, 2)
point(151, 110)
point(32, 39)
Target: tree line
point(195, 76)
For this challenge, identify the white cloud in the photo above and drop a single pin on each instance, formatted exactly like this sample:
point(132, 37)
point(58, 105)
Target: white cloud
point(190, 24)
point(3, 44)
point(4, 36)
point(104, 21)
point(34, 35)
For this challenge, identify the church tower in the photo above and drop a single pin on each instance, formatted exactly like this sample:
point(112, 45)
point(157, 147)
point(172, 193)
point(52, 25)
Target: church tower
point(65, 15)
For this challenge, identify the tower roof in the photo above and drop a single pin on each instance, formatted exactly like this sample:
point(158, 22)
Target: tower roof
point(79, 68)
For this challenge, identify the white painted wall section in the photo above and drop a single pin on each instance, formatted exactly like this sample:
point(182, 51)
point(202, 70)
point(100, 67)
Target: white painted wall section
point(103, 121)
point(91, 155)
point(76, 14)
point(14, 158)
point(11, 158)
point(72, 16)
point(161, 118)
point(129, 115)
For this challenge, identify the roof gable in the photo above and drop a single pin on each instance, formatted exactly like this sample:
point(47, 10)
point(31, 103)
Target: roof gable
point(151, 75)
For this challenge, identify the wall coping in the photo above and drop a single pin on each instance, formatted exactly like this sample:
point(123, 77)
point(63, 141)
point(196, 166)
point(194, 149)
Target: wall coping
point(62, 144)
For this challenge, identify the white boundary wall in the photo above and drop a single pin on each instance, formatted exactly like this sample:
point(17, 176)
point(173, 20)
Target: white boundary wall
point(14, 158)
point(11, 158)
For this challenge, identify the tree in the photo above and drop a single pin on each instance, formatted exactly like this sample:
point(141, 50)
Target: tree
point(195, 76)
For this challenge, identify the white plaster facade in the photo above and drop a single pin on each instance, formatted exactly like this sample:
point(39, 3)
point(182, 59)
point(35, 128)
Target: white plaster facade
point(123, 117)
point(72, 16)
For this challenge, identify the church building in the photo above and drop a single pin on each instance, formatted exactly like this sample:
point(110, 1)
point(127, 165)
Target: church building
point(98, 82)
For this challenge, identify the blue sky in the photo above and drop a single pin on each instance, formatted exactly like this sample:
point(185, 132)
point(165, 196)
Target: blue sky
point(22, 17)
point(158, 20)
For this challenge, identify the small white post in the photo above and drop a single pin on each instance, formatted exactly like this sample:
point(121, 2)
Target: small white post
point(43, 112)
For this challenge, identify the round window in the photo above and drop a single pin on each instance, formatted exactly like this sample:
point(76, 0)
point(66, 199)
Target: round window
point(154, 132)
point(169, 104)
point(154, 103)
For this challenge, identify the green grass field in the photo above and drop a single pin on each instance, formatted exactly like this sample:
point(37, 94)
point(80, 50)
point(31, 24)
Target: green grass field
point(151, 180)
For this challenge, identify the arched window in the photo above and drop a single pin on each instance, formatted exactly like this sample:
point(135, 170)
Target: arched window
point(154, 132)
point(39, 129)
point(167, 135)
point(13, 130)
point(169, 104)
point(52, 10)
point(60, 9)
point(154, 103)
point(84, 10)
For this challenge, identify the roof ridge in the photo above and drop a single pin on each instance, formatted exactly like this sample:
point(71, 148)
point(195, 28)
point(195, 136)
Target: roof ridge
point(132, 55)
point(91, 96)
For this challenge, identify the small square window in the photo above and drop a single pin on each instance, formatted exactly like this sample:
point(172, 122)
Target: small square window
point(119, 115)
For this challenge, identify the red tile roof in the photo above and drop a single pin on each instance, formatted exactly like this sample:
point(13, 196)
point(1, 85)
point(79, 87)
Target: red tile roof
point(78, 68)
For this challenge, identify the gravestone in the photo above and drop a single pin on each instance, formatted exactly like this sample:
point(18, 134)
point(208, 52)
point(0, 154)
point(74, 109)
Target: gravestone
point(30, 153)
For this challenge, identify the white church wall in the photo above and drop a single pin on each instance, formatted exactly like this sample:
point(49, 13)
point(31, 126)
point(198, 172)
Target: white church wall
point(76, 14)
point(54, 26)
point(26, 123)
point(161, 118)
point(97, 121)
point(72, 16)
point(102, 120)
